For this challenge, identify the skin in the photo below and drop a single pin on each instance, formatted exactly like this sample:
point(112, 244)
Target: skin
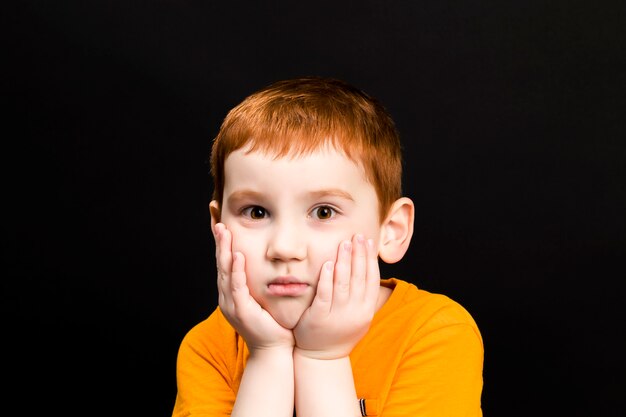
point(297, 245)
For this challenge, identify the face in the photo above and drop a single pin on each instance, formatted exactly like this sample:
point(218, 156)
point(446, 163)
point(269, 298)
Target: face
point(288, 216)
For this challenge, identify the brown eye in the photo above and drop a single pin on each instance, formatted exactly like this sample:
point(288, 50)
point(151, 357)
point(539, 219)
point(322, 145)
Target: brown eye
point(324, 212)
point(256, 212)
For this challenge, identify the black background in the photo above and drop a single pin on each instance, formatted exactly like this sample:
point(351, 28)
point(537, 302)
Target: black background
point(512, 116)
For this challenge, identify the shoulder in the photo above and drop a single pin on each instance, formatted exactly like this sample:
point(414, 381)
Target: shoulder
point(419, 311)
point(208, 368)
point(211, 337)
point(426, 353)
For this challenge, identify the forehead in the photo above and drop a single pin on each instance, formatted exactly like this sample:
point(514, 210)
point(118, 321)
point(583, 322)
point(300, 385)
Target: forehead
point(324, 167)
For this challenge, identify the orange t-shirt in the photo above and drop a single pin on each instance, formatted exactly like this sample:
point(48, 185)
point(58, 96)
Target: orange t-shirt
point(422, 356)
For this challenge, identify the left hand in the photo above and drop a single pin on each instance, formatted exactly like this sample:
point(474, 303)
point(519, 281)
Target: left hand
point(344, 304)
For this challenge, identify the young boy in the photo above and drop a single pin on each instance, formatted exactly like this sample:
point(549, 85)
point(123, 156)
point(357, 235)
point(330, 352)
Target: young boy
point(307, 197)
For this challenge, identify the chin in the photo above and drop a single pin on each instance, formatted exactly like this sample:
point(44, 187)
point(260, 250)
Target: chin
point(288, 324)
point(287, 318)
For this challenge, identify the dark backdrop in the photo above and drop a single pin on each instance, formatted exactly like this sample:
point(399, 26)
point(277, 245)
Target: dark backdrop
point(512, 116)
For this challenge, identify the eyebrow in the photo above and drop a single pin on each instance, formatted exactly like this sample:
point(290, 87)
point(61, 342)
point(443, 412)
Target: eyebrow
point(244, 195)
point(331, 192)
point(254, 195)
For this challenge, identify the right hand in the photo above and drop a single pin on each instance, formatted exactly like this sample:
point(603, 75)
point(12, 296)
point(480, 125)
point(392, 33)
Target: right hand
point(257, 327)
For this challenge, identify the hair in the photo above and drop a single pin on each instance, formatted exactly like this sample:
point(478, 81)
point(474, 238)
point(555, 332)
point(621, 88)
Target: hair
point(299, 116)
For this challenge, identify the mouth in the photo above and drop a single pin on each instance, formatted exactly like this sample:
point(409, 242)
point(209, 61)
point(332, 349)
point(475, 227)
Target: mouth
point(287, 287)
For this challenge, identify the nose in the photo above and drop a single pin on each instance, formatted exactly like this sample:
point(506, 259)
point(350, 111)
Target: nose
point(286, 243)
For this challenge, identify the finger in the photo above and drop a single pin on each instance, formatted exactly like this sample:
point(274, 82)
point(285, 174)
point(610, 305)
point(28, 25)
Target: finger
point(217, 229)
point(238, 290)
point(358, 267)
point(238, 285)
point(372, 280)
point(341, 286)
point(223, 259)
point(324, 294)
point(223, 249)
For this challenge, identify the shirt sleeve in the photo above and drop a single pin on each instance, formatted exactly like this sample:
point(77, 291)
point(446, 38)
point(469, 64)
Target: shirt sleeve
point(205, 370)
point(440, 373)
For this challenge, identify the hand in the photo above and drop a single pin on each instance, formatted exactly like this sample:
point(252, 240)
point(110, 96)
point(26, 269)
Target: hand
point(344, 304)
point(257, 327)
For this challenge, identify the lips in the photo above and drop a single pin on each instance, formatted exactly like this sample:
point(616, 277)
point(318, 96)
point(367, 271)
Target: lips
point(287, 287)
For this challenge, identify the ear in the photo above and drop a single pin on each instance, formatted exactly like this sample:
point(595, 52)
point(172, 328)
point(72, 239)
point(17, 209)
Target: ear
point(216, 214)
point(397, 231)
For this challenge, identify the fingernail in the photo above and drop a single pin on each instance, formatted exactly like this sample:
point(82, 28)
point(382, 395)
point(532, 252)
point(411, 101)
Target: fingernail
point(370, 243)
point(329, 265)
point(347, 245)
point(359, 238)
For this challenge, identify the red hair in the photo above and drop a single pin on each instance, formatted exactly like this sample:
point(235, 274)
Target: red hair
point(299, 116)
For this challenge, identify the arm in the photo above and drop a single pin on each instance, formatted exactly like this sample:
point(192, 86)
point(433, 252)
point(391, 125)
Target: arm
point(338, 318)
point(267, 386)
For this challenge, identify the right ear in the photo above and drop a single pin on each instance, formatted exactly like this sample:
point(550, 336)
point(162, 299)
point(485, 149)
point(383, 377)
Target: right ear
point(216, 214)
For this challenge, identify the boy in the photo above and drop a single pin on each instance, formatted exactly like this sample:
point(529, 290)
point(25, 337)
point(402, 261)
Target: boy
point(307, 197)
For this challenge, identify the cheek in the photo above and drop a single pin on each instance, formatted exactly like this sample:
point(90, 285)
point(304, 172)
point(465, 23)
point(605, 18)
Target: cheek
point(245, 242)
point(252, 248)
point(326, 246)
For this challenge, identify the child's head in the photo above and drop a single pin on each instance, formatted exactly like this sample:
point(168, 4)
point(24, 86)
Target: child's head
point(300, 167)
point(300, 116)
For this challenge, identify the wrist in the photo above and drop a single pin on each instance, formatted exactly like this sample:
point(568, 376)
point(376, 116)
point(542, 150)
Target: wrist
point(271, 352)
point(319, 355)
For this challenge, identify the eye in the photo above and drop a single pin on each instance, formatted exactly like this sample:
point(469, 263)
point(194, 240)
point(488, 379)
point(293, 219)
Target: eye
point(324, 212)
point(254, 212)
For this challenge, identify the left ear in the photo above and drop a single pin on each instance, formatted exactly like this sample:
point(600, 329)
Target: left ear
point(397, 231)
